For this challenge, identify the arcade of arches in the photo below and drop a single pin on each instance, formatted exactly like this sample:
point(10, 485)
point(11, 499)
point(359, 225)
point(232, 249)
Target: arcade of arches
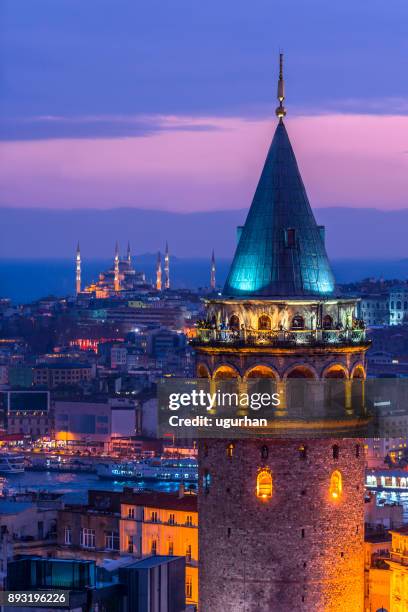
point(333, 371)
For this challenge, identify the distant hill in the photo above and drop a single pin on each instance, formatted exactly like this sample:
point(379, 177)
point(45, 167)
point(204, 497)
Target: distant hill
point(352, 233)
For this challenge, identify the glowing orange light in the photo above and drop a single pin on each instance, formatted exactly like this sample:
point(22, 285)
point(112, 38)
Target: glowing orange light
point(264, 485)
point(336, 484)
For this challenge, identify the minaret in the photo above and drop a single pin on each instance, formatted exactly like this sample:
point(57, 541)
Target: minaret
point(212, 279)
point(116, 269)
point(282, 519)
point(158, 272)
point(78, 270)
point(167, 268)
point(129, 255)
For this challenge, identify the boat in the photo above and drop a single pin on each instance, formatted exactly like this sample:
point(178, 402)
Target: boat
point(159, 469)
point(11, 463)
point(56, 463)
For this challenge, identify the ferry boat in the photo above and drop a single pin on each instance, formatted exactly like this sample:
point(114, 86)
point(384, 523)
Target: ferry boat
point(56, 463)
point(159, 469)
point(11, 464)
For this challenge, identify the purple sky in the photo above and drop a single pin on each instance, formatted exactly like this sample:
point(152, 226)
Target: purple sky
point(169, 105)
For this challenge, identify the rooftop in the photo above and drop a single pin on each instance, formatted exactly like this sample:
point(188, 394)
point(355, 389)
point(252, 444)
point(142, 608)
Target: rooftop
point(281, 250)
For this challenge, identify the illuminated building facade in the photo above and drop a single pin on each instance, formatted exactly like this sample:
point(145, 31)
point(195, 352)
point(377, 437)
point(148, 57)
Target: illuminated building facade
point(281, 520)
point(163, 524)
point(398, 564)
point(121, 277)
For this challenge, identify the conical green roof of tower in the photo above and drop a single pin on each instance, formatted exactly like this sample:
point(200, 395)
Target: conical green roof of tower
point(281, 251)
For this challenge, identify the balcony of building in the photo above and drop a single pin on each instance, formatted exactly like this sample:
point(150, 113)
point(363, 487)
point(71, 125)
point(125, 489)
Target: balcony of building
point(399, 557)
point(227, 336)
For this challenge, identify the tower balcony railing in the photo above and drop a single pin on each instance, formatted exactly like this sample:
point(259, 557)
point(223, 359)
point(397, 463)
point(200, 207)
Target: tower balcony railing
point(293, 337)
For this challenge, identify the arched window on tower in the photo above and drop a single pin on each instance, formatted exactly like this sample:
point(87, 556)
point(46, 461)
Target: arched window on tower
point(298, 322)
point(336, 451)
point(230, 450)
point(327, 322)
point(234, 322)
point(264, 322)
point(264, 452)
point(264, 484)
point(399, 305)
point(336, 485)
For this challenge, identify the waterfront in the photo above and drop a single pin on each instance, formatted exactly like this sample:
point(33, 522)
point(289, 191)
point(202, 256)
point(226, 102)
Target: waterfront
point(75, 486)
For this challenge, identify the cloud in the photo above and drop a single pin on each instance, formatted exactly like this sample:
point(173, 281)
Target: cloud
point(191, 164)
point(58, 127)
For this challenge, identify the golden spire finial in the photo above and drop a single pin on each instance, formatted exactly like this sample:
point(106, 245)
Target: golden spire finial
point(281, 111)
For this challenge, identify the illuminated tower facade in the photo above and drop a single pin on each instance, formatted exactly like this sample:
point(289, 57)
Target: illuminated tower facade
point(167, 268)
point(78, 270)
point(158, 272)
point(281, 520)
point(212, 277)
point(116, 280)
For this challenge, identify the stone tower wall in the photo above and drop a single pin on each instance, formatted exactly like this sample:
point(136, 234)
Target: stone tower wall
point(298, 551)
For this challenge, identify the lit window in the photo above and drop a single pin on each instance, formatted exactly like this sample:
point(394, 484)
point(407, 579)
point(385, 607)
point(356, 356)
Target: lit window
point(171, 548)
point(264, 322)
point(234, 322)
point(302, 451)
point(264, 484)
point(298, 322)
point(112, 540)
point(68, 536)
point(336, 485)
point(230, 450)
point(87, 538)
point(189, 587)
point(153, 548)
point(206, 481)
point(188, 553)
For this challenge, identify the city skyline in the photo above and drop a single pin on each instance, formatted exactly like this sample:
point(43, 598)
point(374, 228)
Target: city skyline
point(184, 124)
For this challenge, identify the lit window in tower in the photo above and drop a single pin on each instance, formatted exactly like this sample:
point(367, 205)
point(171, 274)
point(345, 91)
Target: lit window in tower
point(264, 484)
point(230, 450)
point(206, 481)
point(336, 485)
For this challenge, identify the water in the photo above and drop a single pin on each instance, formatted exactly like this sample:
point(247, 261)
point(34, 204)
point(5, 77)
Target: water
point(75, 486)
point(26, 280)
